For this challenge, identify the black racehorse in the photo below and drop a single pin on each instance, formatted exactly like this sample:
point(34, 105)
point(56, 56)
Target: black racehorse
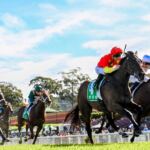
point(140, 96)
point(36, 117)
point(115, 94)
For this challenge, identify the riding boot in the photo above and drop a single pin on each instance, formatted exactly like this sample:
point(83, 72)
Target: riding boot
point(99, 78)
point(29, 106)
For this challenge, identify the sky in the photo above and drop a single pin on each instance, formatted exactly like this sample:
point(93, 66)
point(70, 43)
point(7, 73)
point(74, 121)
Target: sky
point(43, 38)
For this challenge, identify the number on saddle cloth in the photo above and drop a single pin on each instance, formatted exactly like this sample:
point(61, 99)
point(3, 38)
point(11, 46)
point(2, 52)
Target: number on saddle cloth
point(92, 93)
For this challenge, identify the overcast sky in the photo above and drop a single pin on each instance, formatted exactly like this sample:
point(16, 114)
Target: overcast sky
point(44, 37)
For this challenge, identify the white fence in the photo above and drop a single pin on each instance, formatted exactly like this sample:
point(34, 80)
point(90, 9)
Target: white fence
point(80, 139)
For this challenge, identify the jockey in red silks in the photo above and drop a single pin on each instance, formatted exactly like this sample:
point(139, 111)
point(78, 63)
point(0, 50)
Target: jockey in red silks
point(108, 64)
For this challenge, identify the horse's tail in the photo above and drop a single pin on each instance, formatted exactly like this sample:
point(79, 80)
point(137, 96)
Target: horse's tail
point(19, 116)
point(73, 116)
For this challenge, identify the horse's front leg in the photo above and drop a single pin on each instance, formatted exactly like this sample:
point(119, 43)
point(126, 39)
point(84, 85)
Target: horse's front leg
point(110, 119)
point(37, 133)
point(137, 109)
point(25, 139)
point(31, 131)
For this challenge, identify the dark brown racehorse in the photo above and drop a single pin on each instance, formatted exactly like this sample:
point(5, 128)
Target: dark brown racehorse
point(36, 117)
point(115, 93)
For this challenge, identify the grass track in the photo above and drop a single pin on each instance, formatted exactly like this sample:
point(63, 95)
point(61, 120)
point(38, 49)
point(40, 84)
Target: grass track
point(120, 146)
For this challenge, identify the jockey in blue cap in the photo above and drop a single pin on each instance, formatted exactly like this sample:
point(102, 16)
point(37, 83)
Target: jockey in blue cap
point(146, 66)
point(146, 63)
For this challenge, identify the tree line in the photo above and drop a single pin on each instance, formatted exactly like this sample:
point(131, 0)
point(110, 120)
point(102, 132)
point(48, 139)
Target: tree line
point(64, 89)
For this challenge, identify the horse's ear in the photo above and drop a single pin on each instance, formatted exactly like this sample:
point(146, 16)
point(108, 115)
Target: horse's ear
point(136, 53)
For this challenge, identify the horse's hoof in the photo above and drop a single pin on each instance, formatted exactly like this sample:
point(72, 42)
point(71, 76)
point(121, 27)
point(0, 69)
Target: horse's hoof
point(25, 139)
point(97, 132)
point(87, 140)
point(132, 140)
point(2, 143)
point(137, 133)
point(20, 142)
point(7, 140)
point(123, 134)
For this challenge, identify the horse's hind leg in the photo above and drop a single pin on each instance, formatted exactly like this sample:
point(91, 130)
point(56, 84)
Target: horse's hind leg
point(32, 133)
point(102, 124)
point(86, 113)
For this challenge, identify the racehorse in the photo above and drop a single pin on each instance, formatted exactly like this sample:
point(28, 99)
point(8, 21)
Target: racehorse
point(115, 94)
point(141, 97)
point(36, 117)
point(4, 118)
point(4, 106)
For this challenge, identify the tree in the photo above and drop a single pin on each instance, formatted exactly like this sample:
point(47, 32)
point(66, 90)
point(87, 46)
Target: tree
point(51, 85)
point(70, 83)
point(11, 93)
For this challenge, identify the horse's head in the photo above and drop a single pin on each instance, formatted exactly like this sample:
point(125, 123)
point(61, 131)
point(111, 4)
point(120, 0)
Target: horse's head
point(46, 99)
point(133, 65)
point(10, 108)
point(6, 106)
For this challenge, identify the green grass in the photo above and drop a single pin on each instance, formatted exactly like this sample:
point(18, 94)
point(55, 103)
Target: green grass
point(115, 146)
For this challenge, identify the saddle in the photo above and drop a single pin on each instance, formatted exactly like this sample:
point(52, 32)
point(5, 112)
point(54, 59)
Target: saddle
point(27, 111)
point(94, 94)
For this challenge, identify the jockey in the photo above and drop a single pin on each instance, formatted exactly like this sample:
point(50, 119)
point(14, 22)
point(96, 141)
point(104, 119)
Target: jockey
point(146, 63)
point(146, 66)
point(108, 64)
point(35, 94)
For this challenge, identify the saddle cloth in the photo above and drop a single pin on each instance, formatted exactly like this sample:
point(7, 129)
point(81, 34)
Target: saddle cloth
point(26, 112)
point(92, 93)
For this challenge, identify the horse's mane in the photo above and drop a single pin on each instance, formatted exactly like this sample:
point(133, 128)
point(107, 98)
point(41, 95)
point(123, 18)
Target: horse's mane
point(122, 60)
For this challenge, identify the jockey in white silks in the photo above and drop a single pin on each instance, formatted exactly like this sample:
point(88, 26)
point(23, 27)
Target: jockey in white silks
point(146, 67)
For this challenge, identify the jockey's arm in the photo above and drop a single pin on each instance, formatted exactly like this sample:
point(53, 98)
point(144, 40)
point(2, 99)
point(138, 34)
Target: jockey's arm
point(46, 94)
point(111, 69)
point(31, 97)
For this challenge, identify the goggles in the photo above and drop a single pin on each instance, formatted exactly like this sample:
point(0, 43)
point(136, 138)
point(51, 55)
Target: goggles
point(117, 55)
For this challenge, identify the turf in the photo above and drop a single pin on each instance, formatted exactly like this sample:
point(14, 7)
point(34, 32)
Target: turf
point(115, 146)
